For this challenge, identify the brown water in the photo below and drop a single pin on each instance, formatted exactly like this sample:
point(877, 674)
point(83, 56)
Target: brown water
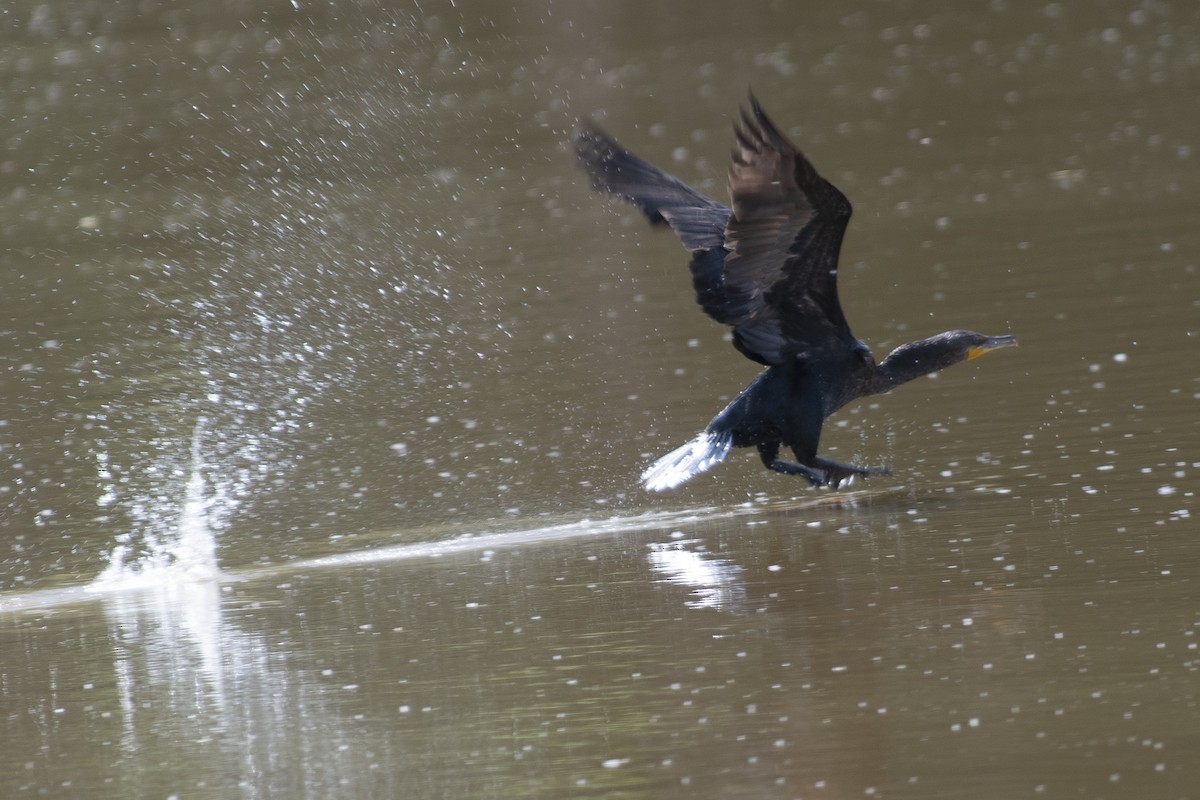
point(320, 351)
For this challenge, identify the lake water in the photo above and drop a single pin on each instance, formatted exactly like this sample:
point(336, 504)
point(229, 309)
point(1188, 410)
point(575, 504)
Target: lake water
point(327, 385)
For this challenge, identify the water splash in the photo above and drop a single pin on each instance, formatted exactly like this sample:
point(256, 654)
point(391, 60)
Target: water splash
point(186, 552)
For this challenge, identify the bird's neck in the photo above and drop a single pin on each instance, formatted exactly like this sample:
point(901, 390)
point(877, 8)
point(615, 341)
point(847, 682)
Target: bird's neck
point(908, 362)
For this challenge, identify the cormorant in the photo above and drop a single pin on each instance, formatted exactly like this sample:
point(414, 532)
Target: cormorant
point(768, 268)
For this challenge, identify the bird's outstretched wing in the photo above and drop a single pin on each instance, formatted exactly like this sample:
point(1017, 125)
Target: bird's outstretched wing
point(779, 288)
point(699, 221)
point(768, 266)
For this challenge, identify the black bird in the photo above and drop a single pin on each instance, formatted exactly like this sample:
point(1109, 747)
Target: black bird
point(768, 268)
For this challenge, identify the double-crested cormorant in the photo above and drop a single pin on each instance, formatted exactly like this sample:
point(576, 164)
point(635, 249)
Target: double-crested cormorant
point(768, 268)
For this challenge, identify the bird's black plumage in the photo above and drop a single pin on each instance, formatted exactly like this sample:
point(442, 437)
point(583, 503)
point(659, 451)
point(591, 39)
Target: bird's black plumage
point(767, 267)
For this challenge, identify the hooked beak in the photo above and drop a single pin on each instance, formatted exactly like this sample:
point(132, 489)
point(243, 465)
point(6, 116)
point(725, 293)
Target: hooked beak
point(991, 343)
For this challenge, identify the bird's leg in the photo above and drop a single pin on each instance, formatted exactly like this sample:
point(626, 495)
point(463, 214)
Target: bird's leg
point(822, 471)
point(769, 453)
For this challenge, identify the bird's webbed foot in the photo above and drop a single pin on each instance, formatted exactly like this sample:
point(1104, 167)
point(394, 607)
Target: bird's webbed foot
point(822, 471)
point(840, 475)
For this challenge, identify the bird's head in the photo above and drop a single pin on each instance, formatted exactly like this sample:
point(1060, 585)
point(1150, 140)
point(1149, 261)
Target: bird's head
point(946, 349)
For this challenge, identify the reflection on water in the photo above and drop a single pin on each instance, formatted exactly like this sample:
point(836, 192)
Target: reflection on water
point(187, 678)
point(714, 581)
point(174, 635)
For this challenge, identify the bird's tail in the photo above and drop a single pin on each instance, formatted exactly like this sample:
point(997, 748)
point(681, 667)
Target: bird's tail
point(706, 450)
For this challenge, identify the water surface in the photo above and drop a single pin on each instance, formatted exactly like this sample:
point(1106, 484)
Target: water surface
point(328, 383)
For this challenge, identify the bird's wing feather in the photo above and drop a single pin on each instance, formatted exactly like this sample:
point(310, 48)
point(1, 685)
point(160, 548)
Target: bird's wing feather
point(768, 266)
point(779, 287)
point(698, 220)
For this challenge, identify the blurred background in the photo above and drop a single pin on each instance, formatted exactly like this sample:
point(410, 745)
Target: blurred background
point(326, 383)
